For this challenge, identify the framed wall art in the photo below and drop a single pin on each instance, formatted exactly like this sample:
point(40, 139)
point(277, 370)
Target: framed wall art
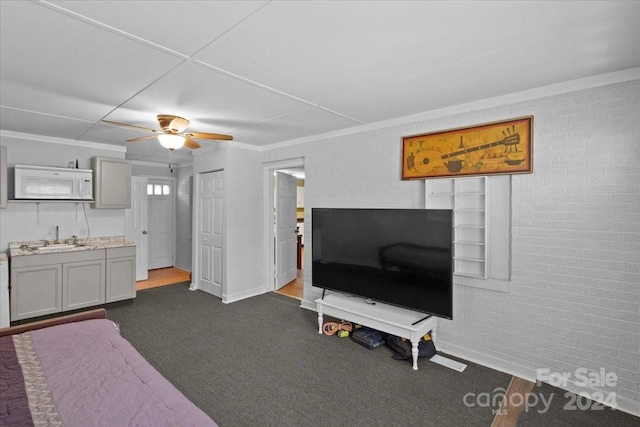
point(486, 149)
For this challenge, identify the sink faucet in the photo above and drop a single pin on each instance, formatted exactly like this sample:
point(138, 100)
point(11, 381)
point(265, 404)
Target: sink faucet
point(56, 241)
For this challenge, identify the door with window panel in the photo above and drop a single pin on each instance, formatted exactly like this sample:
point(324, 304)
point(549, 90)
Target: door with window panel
point(161, 235)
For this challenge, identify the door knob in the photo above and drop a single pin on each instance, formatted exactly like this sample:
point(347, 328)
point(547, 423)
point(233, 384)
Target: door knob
point(144, 232)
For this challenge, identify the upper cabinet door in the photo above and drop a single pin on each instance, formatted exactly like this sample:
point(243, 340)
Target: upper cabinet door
point(111, 183)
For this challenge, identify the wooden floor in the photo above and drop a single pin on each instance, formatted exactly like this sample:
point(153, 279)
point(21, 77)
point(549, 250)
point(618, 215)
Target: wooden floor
point(163, 277)
point(514, 403)
point(293, 289)
point(173, 275)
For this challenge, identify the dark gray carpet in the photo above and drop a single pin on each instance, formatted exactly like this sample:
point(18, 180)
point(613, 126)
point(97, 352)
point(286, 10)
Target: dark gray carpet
point(261, 362)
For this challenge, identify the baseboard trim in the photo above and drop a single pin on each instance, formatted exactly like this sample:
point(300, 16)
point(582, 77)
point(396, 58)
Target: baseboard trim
point(228, 299)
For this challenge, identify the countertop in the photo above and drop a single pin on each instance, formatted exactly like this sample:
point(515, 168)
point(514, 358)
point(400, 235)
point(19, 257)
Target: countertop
point(85, 244)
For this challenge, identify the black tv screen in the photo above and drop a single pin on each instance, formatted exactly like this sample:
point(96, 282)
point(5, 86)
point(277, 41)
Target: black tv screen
point(402, 257)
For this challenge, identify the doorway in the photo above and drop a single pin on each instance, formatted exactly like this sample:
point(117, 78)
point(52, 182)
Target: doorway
point(284, 241)
point(209, 233)
point(153, 212)
point(161, 222)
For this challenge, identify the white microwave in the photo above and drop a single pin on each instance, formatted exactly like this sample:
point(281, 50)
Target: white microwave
point(51, 183)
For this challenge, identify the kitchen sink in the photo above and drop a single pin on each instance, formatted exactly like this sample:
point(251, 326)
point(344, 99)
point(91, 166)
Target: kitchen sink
point(54, 247)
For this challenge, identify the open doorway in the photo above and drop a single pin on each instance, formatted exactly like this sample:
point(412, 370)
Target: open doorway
point(152, 220)
point(284, 243)
point(293, 288)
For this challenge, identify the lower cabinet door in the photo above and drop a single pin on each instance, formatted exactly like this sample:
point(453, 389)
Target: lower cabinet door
point(121, 278)
point(36, 291)
point(84, 284)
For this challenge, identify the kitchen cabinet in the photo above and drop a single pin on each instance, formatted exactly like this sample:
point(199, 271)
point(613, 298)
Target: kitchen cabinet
point(121, 273)
point(4, 291)
point(83, 282)
point(111, 183)
point(62, 281)
point(35, 290)
point(3, 177)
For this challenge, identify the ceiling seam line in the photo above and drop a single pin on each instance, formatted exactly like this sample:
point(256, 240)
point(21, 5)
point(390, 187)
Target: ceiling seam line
point(109, 28)
point(276, 91)
point(229, 29)
point(132, 97)
point(185, 58)
point(271, 118)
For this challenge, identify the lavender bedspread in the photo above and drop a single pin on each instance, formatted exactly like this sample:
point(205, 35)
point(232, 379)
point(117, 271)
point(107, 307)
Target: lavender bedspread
point(86, 374)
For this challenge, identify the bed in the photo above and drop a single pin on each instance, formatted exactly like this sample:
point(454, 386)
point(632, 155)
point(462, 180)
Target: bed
point(78, 371)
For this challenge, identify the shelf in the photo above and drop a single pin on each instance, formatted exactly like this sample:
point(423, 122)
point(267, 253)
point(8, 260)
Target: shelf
point(468, 259)
point(458, 195)
point(468, 200)
point(51, 201)
point(463, 274)
point(462, 242)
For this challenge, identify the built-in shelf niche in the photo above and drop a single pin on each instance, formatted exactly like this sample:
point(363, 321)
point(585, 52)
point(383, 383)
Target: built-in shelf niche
point(467, 198)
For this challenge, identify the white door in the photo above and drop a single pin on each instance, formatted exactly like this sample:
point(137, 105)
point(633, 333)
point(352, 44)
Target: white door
point(286, 239)
point(210, 243)
point(136, 220)
point(161, 241)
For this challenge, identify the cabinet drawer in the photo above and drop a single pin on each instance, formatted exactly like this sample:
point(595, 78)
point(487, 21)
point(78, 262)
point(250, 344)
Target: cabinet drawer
point(59, 258)
point(122, 252)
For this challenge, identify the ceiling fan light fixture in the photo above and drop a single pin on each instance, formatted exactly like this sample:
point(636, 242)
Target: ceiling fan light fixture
point(172, 142)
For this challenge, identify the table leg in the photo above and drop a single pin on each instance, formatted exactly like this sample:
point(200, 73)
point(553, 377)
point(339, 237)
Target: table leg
point(320, 319)
point(414, 353)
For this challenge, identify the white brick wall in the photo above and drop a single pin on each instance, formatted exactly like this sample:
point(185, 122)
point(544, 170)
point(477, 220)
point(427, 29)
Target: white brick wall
point(576, 235)
point(574, 298)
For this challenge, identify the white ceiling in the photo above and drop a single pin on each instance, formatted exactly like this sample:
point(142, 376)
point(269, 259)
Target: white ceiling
point(273, 71)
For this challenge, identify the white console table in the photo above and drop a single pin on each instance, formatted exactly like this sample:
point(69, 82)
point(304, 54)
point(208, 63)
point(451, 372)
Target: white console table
point(383, 317)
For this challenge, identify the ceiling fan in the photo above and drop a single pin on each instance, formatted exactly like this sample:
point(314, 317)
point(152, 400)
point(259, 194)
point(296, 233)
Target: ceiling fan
point(172, 135)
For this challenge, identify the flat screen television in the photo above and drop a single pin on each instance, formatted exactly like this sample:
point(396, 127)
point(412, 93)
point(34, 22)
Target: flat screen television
point(402, 257)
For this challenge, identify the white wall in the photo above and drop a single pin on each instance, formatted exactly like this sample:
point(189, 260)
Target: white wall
point(183, 218)
point(242, 259)
point(574, 298)
point(139, 168)
point(31, 221)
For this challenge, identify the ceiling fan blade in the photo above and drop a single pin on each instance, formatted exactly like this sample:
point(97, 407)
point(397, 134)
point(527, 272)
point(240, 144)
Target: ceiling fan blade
point(190, 143)
point(203, 135)
point(129, 126)
point(140, 138)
